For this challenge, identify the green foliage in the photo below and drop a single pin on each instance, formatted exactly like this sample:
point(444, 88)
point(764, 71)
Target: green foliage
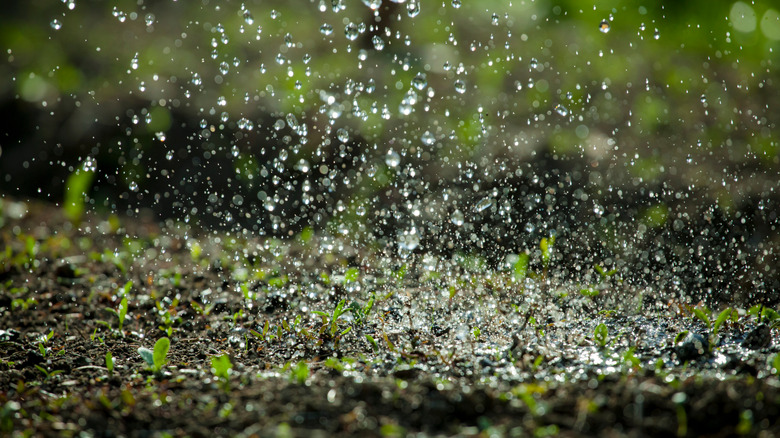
point(77, 185)
point(121, 314)
point(726, 315)
point(361, 314)
point(520, 268)
point(299, 373)
point(109, 363)
point(221, 366)
point(352, 275)
point(332, 319)
point(156, 359)
point(601, 335)
point(702, 315)
point(546, 246)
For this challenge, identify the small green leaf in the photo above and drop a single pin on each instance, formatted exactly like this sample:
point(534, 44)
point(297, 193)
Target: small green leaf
point(521, 267)
point(601, 335)
point(698, 313)
point(147, 355)
point(722, 318)
point(160, 352)
point(373, 343)
point(76, 187)
point(122, 313)
point(110, 362)
point(351, 275)
point(589, 292)
point(221, 366)
point(546, 245)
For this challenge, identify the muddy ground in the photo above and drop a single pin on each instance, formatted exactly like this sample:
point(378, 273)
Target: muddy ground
point(417, 351)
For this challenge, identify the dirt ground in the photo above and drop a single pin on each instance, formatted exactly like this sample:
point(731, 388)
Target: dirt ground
point(298, 373)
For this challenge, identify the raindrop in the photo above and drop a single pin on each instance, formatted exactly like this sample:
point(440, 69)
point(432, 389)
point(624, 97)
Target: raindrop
point(275, 14)
point(149, 19)
point(373, 4)
point(342, 135)
point(360, 210)
point(134, 62)
point(419, 82)
point(457, 217)
point(494, 20)
point(604, 26)
point(413, 9)
point(379, 43)
point(428, 139)
point(392, 159)
point(371, 171)
point(196, 80)
point(326, 29)
point(169, 155)
point(133, 186)
point(56, 24)
point(483, 204)
point(351, 31)
point(460, 86)
point(224, 68)
point(456, 4)
point(248, 19)
point(656, 34)
point(534, 63)
point(562, 110)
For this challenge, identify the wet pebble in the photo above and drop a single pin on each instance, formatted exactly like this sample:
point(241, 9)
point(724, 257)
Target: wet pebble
point(693, 346)
point(758, 338)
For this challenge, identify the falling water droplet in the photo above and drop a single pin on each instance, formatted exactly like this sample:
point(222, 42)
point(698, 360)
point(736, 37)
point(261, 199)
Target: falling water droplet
point(483, 204)
point(428, 138)
point(604, 26)
point(419, 82)
point(413, 9)
point(460, 86)
point(562, 110)
point(326, 29)
point(457, 217)
point(392, 159)
point(351, 31)
point(56, 24)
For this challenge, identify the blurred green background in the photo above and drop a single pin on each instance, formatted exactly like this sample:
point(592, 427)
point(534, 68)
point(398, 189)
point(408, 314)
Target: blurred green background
point(639, 123)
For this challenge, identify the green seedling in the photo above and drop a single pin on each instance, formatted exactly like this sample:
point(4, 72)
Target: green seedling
point(121, 314)
point(726, 315)
point(221, 366)
point(48, 374)
point(332, 319)
point(361, 314)
point(110, 363)
point(701, 314)
point(44, 340)
point(76, 187)
point(374, 345)
point(546, 246)
point(200, 310)
point(351, 275)
point(299, 373)
point(156, 359)
point(520, 268)
point(601, 335)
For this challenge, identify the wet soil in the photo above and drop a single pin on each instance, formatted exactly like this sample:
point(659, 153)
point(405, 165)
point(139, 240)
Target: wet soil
point(447, 348)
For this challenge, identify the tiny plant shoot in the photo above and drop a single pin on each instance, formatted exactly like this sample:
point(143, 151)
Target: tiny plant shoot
point(76, 187)
point(156, 359)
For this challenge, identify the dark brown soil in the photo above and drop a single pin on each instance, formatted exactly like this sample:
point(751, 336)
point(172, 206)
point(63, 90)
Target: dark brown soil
point(61, 279)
